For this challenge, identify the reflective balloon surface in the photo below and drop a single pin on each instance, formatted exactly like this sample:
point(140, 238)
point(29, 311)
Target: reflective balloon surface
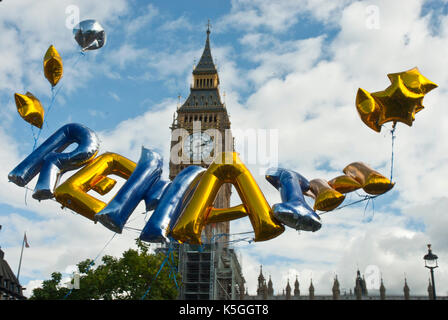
point(398, 103)
point(73, 192)
point(53, 68)
point(372, 181)
point(344, 184)
point(30, 108)
point(120, 208)
point(293, 211)
point(327, 198)
point(90, 35)
point(226, 168)
point(170, 205)
point(50, 161)
point(154, 194)
point(368, 109)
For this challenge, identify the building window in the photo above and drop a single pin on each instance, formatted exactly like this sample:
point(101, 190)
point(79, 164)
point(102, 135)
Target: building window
point(195, 118)
point(215, 119)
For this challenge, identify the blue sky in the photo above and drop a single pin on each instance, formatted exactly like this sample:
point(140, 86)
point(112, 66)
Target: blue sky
point(294, 66)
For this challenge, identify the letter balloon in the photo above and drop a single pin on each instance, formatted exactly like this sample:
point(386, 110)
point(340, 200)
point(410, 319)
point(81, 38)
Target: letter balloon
point(120, 208)
point(51, 162)
point(293, 211)
point(226, 168)
point(327, 198)
point(170, 204)
point(372, 181)
point(73, 192)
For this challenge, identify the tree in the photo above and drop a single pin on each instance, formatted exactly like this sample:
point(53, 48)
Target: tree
point(127, 277)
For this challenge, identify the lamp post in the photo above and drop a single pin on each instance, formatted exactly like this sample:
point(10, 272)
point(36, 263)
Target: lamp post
point(431, 263)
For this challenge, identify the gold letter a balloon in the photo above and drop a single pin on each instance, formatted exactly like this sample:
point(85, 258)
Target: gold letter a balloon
point(53, 68)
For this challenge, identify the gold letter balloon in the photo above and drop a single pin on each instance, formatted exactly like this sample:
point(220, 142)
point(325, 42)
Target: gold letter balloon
point(194, 217)
point(73, 192)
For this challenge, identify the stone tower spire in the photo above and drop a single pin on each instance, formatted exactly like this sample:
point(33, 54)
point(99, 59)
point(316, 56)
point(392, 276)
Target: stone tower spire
point(206, 64)
point(358, 286)
point(364, 286)
point(262, 289)
point(336, 290)
point(288, 291)
point(382, 290)
point(406, 290)
point(296, 288)
point(270, 288)
point(311, 290)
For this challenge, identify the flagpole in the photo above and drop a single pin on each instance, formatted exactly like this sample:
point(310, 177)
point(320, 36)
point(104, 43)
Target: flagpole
point(20, 262)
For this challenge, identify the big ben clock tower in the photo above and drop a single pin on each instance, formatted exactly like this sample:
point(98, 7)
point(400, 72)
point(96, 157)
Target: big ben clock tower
point(200, 130)
point(205, 129)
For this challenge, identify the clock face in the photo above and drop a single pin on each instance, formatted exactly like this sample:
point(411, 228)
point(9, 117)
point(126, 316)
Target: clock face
point(198, 146)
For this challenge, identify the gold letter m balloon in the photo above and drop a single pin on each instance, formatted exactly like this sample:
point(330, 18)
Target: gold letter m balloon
point(199, 211)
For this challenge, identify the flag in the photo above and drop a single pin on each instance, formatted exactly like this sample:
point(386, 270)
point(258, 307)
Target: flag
point(25, 241)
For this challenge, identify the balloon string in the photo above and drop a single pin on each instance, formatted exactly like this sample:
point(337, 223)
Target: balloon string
point(92, 263)
point(54, 94)
point(173, 270)
point(365, 209)
point(366, 198)
point(392, 132)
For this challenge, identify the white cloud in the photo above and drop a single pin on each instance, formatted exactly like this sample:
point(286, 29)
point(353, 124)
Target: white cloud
point(180, 23)
point(137, 23)
point(279, 16)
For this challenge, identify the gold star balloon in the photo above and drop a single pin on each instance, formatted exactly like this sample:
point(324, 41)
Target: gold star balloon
point(30, 108)
point(398, 103)
point(413, 80)
point(53, 68)
point(368, 109)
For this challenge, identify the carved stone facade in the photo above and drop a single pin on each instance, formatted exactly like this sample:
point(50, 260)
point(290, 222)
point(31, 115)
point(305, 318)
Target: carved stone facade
point(10, 288)
point(200, 130)
point(360, 292)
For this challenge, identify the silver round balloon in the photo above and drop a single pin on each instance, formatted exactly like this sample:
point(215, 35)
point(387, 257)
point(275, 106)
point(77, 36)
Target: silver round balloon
point(90, 35)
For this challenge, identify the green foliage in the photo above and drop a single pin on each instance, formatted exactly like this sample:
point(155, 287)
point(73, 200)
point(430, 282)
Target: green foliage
point(127, 278)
